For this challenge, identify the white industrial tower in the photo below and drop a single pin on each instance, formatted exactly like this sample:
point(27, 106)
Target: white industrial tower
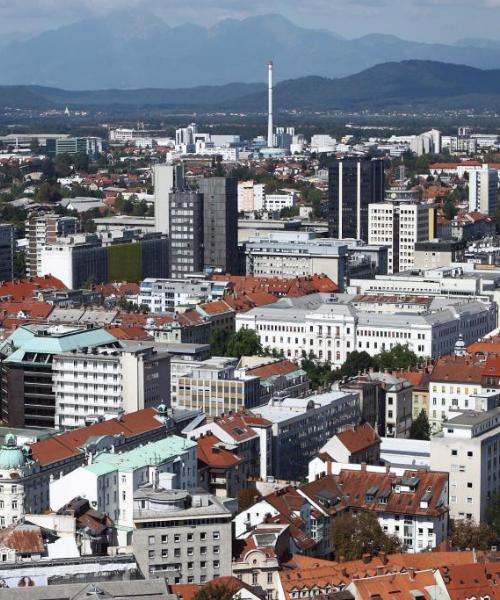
point(270, 135)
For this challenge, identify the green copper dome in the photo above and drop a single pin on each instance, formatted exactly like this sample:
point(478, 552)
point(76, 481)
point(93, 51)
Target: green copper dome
point(11, 456)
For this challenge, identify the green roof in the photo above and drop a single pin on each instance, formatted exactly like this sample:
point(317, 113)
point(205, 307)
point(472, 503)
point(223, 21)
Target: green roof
point(153, 453)
point(52, 339)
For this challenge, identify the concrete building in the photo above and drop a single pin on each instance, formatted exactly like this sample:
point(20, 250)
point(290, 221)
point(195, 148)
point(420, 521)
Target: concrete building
point(92, 146)
point(163, 295)
point(28, 397)
point(166, 178)
point(99, 382)
point(353, 184)
point(7, 251)
point(41, 231)
point(468, 448)
point(483, 191)
point(184, 537)
point(110, 481)
point(277, 202)
point(186, 233)
point(435, 253)
point(301, 426)
point(250, 196)
point(399, 226)
point(220, 223)
point(284, 254)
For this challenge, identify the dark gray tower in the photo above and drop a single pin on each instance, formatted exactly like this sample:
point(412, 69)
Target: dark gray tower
point(186, 233)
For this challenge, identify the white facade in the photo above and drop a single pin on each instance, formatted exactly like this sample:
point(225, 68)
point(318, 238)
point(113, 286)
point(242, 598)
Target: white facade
point(276, 202)
point(105, 383)
point(483, 191)
point(165, 178)
point(250, 196)
point(163, 295)
point(468, 448)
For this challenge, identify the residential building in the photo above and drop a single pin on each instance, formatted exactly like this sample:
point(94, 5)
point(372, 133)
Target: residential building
point(162, 295)
point(220, 223)
point(92, 383)
point(182, 536)
point(353, 184)
point(186, 233)
point(110, 481)
point(28, 397)
point(217, 388)
point(219, 468)
point(301, 426)
point(288, 254)
point(397, 403)
point(468, 448)
point(483, 191)
point(166, 178)
point(357, 444)
point(7, 251)
point(41, 231)
point(435, 253)
point(472, 226)
point(250, 196)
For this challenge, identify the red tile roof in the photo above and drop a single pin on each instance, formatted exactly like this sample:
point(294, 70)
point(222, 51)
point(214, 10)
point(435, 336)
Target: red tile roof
point(359, 438)
point(128, 332)
point(298, 286)
point(68, 444)
point(22, 538)
point(23, 289)
point(472, 581)
point(457, 369)
point(216, 308)
point(280, 367)
point(401, 586)
point(211, 453)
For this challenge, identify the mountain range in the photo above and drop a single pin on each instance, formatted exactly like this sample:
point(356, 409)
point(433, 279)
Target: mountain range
point(416, 84)
point(136, 49)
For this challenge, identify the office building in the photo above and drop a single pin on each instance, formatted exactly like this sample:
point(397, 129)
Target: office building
point(110, 480)
point(277, 202)
point(92, 146)
point(289, 254)
point(166, 178)
point(7, 251)
point(399, 226)
point(186, 233)
point(28, 397)
point(97, 382)
point(184, 537)
point(426, 143)
point(41, 231)
point(220, 223)
point(353, 184)
point(468, 449)
point(483, 191)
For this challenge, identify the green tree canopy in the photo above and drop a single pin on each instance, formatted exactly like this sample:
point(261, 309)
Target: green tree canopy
point(468, 534)
point(356, 534)
point(420, 428)
point(357, 362)
point(244, 342)
point(399, 357)
point(218, 343)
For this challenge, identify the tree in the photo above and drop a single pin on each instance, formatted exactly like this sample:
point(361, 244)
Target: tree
point(48, 193)
point(81, 162)
point(399, 357)
point(62, 164)
point(420, 428)
point(357, 362)
point(215, 591)
point(356, 534)
point(244, 342)
point(218, 343)
point(468, 534)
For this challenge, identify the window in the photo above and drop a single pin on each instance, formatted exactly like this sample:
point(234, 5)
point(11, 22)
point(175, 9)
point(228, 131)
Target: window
point(164, 539)
point(269, 578)
point(216, 549)
point(164, 552)
point(190, 565)
point(151, 554)
point(203, 564)
point(177, 538)
point(190, 537)
point(216, 564)
point(454, 452)
point(190, 551)
point(177, 552)
point(470, 453)
point(469, 484)
point(255, 578)
point(151, 540)
point(203, 550)
point(216, 535)
point(203, 535)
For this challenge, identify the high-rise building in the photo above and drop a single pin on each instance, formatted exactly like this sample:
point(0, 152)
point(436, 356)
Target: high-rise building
point(220, 223)
point(165, 179)
point(354, 184)
point(483, 190)
point(92, 146)
point(7, 251)
point(41, 231)
point(186, 233)
point(251, 196)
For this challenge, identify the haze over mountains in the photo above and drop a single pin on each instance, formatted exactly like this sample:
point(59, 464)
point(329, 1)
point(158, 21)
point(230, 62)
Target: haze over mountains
point(408, 84)
point(133, 49)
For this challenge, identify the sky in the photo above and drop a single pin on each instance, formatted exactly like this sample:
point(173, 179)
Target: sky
point(422, 20)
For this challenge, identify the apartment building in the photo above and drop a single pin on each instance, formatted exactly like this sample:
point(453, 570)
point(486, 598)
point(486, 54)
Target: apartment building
point(357, 444)
point(110, 480)
point(186, 233)
point(250, 196)
point(288, 254)
point(468, 449)
point(182, 536)
point(99, 382)
point(163, 295)
point(483, 190)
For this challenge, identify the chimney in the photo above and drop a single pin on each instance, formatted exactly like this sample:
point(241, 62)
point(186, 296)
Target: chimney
point(329, 467)
point(270, 133)
point(366, 558)
point(411, 573)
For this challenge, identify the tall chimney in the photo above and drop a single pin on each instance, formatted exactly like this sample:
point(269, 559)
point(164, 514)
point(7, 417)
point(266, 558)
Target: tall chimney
point(270, 136)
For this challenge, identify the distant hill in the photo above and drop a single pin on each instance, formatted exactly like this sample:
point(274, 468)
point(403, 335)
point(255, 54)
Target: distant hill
point(416, 84)
point(136, 49)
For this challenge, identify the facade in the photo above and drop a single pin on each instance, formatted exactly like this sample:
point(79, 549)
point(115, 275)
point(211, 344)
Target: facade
point(163, 295)
point(301, 426)
point(353, 184)
point(357, 444)
point(468, 449)
point(220, 223)
point(400, 225)
point(331, 329)
point(186, 233)
point(28, 397)
point(182, 536)
point(99, 382)
point(7, 251)
point(165, 179)
point(110, 481)
point(92, 146)
point(250, 196)
point(41, 231)
point(483, 191)
point(277, 202)
point(290, 254)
